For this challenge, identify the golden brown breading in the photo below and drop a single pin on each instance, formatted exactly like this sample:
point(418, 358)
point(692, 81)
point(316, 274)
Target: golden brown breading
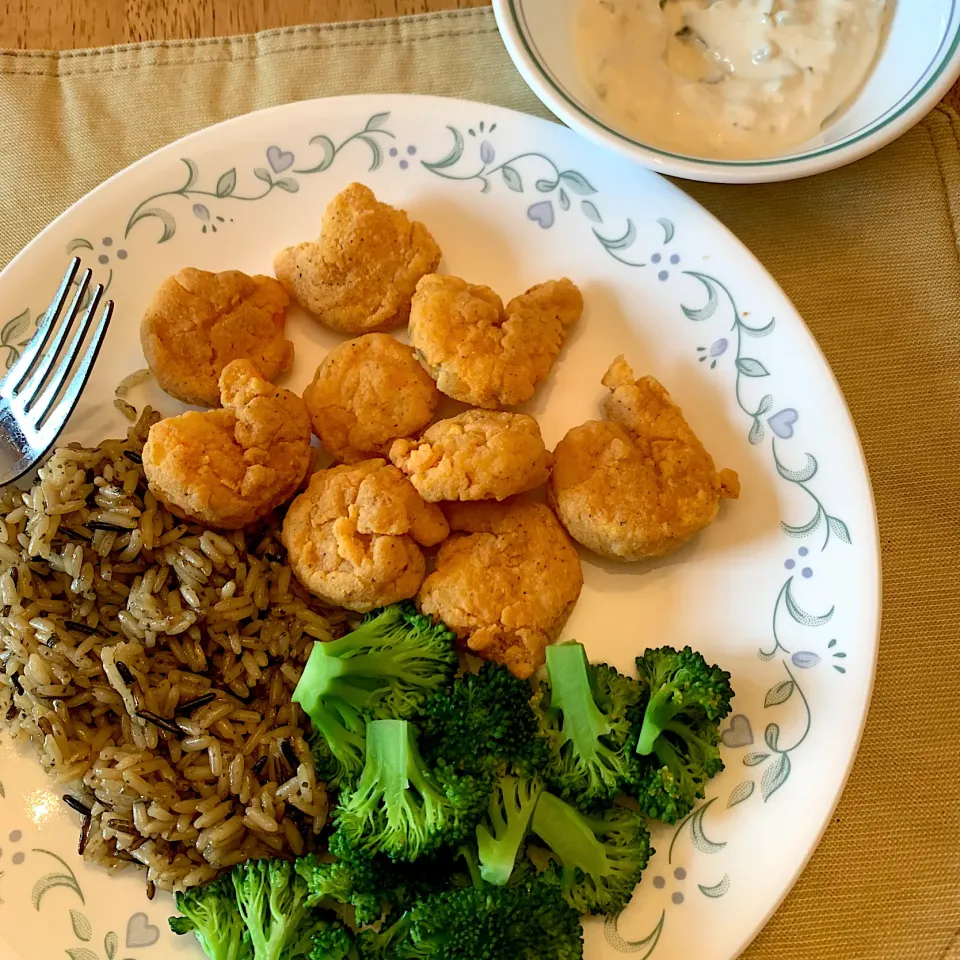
point(360, 275)
point(352, 537)
point(506, 582)
point(197, 322)
point(478, 455)
point(641, 484)
point(230, 467)
point(486, 354)
point(365, 394)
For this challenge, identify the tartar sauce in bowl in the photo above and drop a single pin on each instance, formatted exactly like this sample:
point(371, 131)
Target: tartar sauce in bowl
point(727, 79)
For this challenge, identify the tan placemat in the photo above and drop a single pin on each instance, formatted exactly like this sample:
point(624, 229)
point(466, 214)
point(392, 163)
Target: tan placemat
point(869, 254)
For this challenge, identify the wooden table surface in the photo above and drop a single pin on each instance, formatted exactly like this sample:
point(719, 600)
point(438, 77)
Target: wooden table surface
point(71, 24)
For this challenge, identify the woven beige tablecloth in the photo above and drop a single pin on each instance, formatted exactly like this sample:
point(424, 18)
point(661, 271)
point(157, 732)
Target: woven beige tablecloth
point(869, 254)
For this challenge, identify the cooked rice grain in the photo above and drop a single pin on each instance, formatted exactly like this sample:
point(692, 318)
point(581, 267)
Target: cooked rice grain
point(151, 663)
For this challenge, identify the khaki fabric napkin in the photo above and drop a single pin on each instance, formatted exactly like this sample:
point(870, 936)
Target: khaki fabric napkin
point(869, 254)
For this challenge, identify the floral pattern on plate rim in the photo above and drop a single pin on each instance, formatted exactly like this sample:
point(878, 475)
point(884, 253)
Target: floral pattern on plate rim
point(556, 191)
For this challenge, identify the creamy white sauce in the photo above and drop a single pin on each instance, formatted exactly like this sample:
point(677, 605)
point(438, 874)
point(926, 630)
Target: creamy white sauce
point(731, 79)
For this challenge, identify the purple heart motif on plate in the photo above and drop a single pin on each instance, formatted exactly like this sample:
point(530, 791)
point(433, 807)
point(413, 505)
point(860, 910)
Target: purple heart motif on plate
point(542, 213)
point(739, 733)
point(140, 932)
point(781, 423)
point(278, 159)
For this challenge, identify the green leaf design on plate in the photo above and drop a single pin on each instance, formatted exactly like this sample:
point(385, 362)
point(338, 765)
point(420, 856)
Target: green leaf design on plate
point(192, 174)
point(79, 243)
point(771, 735)
point(262, 173)
point(668, 229)
point(750, 367)
point(14, 329)
point(806, 529)
point(766, 403)
point(775, 776)
point(801, 615)
point(752, 759)
point(376, 153)
point(619, 243)
point(646, 946)
point(81, 953)
point(512, 178)
point(807, 472)
point(376, 120)
point(700, 840)
point(779, 693)
point(329, 152)
point(545, 186)
point(452, 157)
point(590, 211)
point(110, 943)
point(759, 331)
point(577, 182)
point(710, 307)
point(50, 881)
point(718, 889)
point(288, 184)
point(227, 183)
point(742, 791)
point(169, 224)
point(81, 926)
point(563, 199)
point(756, 433)
point(839, 529)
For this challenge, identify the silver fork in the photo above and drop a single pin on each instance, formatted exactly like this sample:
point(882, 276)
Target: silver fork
point(42, 388)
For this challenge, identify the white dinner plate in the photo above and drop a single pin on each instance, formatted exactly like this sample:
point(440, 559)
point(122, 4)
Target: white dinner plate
point(783, 590)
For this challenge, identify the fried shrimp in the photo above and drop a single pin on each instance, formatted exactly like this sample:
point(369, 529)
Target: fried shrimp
point(353, 537)
point(365, 394)
point(231, 467)
point(478, 455)
point(640, 484)
point(486, 354)
point(360, 275)
point(505, 582)
point(197, 322)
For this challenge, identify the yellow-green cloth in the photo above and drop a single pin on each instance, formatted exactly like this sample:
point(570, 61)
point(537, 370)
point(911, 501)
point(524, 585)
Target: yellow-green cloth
point(869, 254)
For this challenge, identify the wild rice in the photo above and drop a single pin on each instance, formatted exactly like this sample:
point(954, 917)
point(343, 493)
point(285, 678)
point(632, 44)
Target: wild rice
point(151, 662)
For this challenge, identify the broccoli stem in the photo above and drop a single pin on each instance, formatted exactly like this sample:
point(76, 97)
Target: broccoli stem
point(569, 834)
point(512, 803)
point(661, 709)
point(572, 694)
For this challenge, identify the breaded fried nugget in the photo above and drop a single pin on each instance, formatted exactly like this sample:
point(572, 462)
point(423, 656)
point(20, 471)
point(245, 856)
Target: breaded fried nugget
point(197, 322)
point(505, 582)
point(352, 537)
point(230, 467)
point(360, 275)
point(486, 354)
point(478, 455)
point(365, 394)
point(641, 484)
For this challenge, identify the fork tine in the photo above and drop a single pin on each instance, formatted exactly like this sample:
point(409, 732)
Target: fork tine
point(64, 408)
point(35, 384)
point(39, 408)
point(18, 372)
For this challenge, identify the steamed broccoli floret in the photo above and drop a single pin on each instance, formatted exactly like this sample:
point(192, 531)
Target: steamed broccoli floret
point(600, 858)
point(210, 913)
point(373, 884)
point(272, 901)
point(525, 922)
point(484, 721)
point(334, 942)
point(679, 737)
point(384, 669)
point(401, 807)
point(500, 836)
point(589, 716)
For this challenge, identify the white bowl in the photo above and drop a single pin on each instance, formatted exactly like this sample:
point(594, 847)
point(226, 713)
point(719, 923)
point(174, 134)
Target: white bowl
point(918, 64)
